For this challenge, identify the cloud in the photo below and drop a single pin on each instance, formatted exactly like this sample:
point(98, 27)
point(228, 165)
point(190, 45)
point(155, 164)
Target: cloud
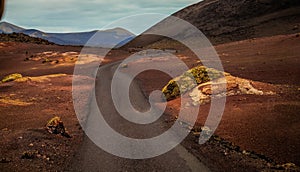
point(78, 15)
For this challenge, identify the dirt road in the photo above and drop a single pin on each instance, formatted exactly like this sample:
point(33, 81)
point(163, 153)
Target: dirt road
point(92, 158)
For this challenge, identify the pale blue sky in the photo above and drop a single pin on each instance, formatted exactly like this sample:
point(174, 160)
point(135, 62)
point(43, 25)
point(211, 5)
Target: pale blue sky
point(80, 15)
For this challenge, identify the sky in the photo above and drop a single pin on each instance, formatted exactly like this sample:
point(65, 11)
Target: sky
point(86, 15)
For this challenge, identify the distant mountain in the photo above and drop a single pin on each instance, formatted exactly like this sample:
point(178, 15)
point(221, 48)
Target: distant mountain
point(225, 21)
point(106, 38)
point(9, 28)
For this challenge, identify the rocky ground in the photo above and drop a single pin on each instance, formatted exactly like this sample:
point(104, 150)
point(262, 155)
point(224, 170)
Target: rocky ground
point(258, 132)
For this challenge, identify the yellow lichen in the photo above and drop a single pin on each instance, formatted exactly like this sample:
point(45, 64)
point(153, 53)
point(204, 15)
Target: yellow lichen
point(15, 102)
point(56, 126)
point(189, 80)
point(39, 78)
point(11, 77)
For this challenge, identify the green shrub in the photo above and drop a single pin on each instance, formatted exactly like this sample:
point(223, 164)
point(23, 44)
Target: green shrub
point(11, 77)
point(189, 80)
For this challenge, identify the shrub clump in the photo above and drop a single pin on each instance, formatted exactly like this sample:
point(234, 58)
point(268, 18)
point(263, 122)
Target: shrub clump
point(189, 80)
point(11, 77)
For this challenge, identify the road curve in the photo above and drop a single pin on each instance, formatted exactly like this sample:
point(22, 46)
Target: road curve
point(91, 158)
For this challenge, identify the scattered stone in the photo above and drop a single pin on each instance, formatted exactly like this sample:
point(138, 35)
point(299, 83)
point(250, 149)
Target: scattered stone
point(5, 160)
point(56, 126)
point(46, 60)
point(187, 105)
point(246, 88)
point(226, 152)
point(5, 129)
point(54, 62)
point(295, 27)
point(228, 86)
point(288, 165)
point(171, 51)
point(124, 66)
point(225, 54)
point(242, 68)
point(30, 145)
point(196, 133)
point(245, 152)
point(206, 132)
point(198, 97)
point(29, 154)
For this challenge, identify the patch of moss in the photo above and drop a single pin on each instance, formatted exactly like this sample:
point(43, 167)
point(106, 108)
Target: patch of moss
point(189, 80)
point(11, 77)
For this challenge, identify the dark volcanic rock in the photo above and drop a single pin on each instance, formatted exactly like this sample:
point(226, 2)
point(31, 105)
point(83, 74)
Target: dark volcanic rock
point(20, 37)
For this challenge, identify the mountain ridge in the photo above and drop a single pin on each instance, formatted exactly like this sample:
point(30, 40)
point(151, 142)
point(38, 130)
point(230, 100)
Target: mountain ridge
point(6, 27)
point(104, 38)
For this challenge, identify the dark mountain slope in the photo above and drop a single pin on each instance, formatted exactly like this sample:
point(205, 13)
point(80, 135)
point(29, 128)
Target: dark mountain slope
point(225, 21)
point(231, 20)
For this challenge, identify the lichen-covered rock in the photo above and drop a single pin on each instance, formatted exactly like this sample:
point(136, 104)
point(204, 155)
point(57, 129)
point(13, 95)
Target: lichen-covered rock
point(11, 77)
point(56, 126)
point(189, 80)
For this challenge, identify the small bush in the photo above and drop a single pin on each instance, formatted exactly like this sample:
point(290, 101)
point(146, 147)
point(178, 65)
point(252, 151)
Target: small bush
point(189, 80)
point(11, 77)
